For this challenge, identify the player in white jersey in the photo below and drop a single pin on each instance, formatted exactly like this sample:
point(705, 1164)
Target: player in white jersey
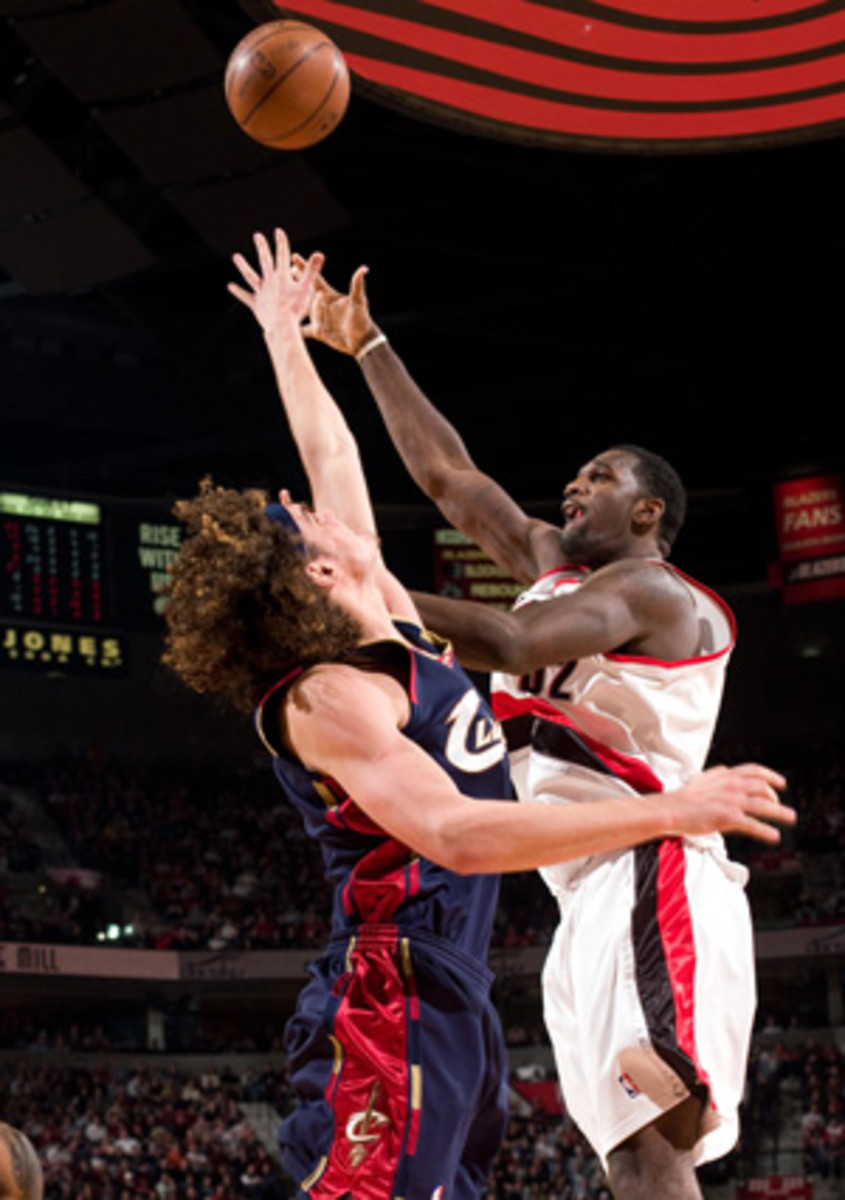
point(669, 990)
point(649, 987)
point(659, 736)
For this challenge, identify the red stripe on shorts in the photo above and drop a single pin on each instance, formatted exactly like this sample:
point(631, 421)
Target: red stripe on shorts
point(370, 1092)
point(676, 933)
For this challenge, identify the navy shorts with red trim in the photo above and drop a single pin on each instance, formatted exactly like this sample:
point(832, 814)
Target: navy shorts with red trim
point(398, 1061)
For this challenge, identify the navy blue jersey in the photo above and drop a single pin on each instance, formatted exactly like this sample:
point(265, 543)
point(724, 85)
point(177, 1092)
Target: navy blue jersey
point(377, 879)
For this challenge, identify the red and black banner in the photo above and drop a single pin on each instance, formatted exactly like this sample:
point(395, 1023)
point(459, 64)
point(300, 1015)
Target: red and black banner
point(810, 521)
point(625, 75)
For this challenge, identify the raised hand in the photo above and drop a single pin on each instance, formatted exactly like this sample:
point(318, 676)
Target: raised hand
point(277, 289)
point(340, 320)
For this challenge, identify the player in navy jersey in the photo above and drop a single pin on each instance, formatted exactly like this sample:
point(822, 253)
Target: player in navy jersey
point(399, 771)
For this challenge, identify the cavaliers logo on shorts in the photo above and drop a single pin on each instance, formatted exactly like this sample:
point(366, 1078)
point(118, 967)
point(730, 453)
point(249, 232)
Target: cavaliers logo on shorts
point(363, 1129)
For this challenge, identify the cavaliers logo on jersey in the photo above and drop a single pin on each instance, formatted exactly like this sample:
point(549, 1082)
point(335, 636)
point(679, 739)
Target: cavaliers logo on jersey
point(475, 742)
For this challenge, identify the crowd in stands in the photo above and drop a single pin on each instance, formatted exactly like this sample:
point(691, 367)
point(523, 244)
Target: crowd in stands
point(818, 785)
point(814, 1074)
point(109, 1133)
point(101, 1029)
point(822, 1077)
point(121, 1133)
point(18, 851)
point(112, 1133)
point(545, 1158)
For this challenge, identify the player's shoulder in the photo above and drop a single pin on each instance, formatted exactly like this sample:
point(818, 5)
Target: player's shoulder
point(648, 580)
point(340, 692)
point(649, 571)
point(328, 683)
point(337, 709)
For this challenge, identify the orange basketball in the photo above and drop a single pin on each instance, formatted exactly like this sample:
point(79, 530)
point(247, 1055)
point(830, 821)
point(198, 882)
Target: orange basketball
point(287, 84)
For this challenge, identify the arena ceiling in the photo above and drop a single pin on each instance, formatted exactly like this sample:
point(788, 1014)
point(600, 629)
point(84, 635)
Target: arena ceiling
point(551, 296)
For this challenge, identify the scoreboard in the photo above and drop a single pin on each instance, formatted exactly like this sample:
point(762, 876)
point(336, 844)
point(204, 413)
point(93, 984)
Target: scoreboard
point(77, 576)
point(52, 559)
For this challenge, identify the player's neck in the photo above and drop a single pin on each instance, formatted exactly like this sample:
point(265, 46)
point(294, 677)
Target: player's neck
point(365, 603)
point(634, 548)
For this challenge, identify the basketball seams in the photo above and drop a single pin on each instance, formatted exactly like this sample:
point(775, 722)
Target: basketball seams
point(237, 61)
point(270, 32)
point(309, 54)
point(312, 117)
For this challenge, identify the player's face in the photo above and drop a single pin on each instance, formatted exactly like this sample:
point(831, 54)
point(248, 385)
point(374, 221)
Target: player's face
point(325, 534)
point(597, 509)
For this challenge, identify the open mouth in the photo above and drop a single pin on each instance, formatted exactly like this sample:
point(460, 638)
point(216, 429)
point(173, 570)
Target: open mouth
point(572, 511)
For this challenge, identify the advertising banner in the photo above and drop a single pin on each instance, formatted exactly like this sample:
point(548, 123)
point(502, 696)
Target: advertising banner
point(810, 525)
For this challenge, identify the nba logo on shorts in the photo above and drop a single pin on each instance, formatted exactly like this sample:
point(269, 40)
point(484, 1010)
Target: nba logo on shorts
point(628, 1086)
point(438, 1193)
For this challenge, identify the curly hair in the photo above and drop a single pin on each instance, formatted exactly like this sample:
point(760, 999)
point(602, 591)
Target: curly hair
point(239, 608)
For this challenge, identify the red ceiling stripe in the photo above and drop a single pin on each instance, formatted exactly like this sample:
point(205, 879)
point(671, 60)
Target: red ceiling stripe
point(629, 85)
point(688, 89)
point(529, 112)
point(600, 82)
point(722, 11)
point(609, 57)
point(602, 37)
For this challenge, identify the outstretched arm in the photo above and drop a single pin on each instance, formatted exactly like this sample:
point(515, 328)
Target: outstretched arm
point(278, 295)
point(347, 724)
point(431, 448)
point(279, 299)
point(630, 605)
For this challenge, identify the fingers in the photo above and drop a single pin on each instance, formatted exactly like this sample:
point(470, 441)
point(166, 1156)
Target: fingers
point(753, 774)
point(772, 810)
point(246, 269)
point(357, 288)
point(295, 508)
point(759, 787)
point(757, 770)
point(762, 812)
point(312, 270)
point(245, 297)
point(760, 831)
point(265, 255)
point(762, 820)
point(278, 268)
point(322, 289)
point(283, 254)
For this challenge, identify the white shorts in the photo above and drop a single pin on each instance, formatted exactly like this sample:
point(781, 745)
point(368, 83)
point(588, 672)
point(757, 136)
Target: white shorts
point(649, 993)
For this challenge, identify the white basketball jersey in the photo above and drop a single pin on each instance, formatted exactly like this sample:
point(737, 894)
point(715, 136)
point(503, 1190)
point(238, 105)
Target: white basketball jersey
point(613, 723)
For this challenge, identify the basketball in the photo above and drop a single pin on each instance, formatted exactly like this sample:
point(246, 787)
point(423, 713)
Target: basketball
point(287, 85)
